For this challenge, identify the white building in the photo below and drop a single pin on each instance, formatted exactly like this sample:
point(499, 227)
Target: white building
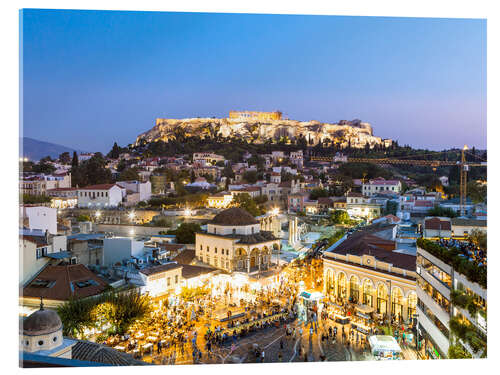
point(162, 279)
point(119, 249)
point(207, 158)
point(297, 158)
point(85, 156)
point(143, 189)
point(380, 185)
point(98, 196)
point(40, 217)
point(234, 242)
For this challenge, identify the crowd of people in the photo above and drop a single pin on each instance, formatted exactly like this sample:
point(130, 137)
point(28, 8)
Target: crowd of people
point(473, 252)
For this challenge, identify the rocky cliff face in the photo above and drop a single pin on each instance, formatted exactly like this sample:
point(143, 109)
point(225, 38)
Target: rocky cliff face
point(356, 132)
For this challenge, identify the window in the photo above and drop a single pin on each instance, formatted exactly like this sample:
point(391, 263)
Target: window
point(201, 247)
point(176, 279)
point(38, 253)
point(40, 342)
point(54, 339)
point(208, 248)
point(215, 250)
point(168, 281)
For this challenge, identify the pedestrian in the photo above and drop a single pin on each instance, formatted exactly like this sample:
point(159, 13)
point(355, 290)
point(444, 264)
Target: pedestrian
point(280, 357)
point(263, 356)
point(281, 344)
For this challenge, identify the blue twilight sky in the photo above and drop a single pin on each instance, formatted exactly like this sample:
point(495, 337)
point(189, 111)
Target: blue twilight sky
point(94, 77)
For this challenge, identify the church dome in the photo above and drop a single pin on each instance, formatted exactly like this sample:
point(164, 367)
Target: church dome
point(41, 322)
point(234, 216)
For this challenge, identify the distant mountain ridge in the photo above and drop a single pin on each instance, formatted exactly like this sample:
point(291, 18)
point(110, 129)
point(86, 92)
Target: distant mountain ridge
point(34, 149)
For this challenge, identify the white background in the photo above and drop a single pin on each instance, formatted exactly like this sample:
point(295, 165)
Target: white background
point(9, 116)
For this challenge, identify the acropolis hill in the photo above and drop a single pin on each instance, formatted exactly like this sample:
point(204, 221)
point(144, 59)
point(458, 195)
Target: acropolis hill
point(261, 126)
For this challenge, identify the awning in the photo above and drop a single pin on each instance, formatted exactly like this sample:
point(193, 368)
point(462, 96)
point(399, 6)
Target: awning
point(364, 309)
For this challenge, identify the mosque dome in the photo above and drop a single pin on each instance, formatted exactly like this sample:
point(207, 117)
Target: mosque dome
point(41, 322)
point(234, 216)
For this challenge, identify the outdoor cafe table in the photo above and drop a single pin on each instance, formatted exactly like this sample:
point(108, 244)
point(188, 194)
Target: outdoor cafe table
point(120, 348)
point(151, 338)
point(147, 347)
point(245, 325)
point(139, 335)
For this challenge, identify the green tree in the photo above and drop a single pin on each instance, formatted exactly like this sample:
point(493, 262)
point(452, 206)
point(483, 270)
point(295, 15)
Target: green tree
point(130, 174)
point(391, 208)
point(65, 158)
point(443, 212)
point(82, 217)
point(340, 217)
point(186, 232)
point(318, 193)
point(250, 177)
point(74, 161)
point(33, 199)
point(479, 238)
point(43, 167)
point(245, 201)
point(115, 152)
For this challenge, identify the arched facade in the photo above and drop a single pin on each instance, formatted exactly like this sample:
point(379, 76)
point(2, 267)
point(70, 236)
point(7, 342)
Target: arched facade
point(354, 293)
point(360, 286)
point(382, 298)
point(398, 303)
point(342, 285)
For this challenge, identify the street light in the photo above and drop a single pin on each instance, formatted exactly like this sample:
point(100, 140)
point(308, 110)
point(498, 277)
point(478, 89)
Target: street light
point(98, 214)
point(131, 215)
point(188, 212)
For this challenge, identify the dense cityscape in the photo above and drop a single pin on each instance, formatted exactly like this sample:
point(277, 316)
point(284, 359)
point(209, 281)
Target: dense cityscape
point(327, 252)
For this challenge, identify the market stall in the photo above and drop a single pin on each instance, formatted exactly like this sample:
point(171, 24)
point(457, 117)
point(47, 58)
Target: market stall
point(384, 347)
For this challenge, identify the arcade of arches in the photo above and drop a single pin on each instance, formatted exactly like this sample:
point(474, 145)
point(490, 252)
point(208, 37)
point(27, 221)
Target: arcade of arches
point(373, 291)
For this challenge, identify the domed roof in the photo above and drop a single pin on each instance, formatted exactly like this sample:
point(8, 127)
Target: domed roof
point(234, 216)
point(41, 322)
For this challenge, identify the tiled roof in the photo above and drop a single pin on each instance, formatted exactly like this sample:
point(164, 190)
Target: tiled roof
point(158, 269)
point(325, 200)
point(172, 246)
point(437, 224)
point(234, 216)
point(185, 257)
point(262, 236)
point(355, 195)
point(98, 187)
point(423, 203)
point(365, 243)
point(189, 271)
point(468, 222)
point(90, 351)
point(62, 283)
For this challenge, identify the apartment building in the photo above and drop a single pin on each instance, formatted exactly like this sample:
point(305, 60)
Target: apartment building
point(443, 298)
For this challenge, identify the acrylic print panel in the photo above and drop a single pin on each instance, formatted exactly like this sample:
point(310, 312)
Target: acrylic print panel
point(203, 188)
